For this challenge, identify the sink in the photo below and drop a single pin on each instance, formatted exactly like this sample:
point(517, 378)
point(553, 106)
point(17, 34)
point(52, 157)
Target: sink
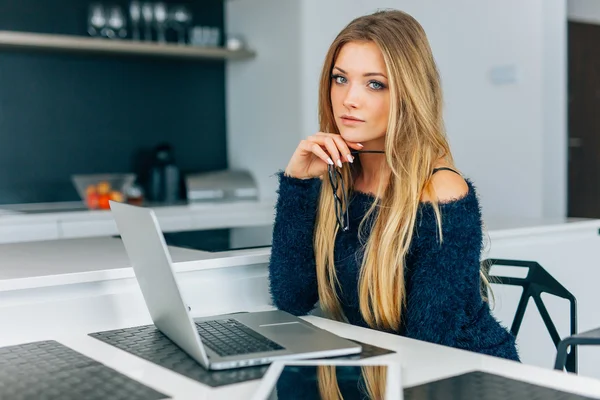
point(9, 212)
point(40, 208)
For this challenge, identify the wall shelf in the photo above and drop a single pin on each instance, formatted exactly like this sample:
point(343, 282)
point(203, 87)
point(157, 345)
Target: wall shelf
point(82, 44)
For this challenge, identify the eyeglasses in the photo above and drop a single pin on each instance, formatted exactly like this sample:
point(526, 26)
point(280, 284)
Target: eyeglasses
point(341, 204)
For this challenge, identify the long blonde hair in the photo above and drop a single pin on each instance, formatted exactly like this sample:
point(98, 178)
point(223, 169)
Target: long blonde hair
point(374, 381)
point(415, 141)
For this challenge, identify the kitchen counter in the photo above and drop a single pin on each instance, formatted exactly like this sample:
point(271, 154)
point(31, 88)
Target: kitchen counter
point(65, 223)
point(16, 228)
point(59, 262)
point(509, 227)
point(58, 212)
point(45, 263)
point(70, 256)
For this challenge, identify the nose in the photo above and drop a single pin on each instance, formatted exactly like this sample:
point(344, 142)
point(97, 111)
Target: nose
point(352, 99)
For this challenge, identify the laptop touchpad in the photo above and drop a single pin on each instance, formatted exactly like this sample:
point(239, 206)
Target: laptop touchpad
point(294, 328)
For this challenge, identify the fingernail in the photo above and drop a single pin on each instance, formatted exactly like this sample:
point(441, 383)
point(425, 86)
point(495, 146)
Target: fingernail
point(329, 161)
point(360, 144)
point(339, 163)
point(350, 158)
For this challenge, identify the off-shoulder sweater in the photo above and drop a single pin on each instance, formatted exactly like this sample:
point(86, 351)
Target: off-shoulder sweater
point(444, 303)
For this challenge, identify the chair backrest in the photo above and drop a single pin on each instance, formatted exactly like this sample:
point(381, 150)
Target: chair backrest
point(537, 281)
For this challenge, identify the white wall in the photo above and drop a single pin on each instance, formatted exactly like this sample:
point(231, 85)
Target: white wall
point(500, 134)
point(584, 11)
point(263, 105)
point(554, 108)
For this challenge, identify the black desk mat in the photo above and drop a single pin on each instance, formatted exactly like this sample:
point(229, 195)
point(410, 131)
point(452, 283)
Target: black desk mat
point(49, 370)
point(150, 344)
point(485, 386)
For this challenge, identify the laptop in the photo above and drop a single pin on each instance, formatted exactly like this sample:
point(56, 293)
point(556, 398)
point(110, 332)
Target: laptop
point(220, 342)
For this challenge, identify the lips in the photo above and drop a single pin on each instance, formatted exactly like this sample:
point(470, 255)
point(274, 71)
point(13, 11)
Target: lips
point(351, 118)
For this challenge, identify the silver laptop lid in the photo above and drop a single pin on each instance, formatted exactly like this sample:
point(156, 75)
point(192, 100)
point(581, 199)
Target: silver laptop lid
point(153, 267)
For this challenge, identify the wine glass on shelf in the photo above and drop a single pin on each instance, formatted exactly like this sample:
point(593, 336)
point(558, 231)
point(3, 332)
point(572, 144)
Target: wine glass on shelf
point(148, 18)
point(160, 20)
point(181, 18)
point(117, 25)
point(96, 19)
point(135, 15)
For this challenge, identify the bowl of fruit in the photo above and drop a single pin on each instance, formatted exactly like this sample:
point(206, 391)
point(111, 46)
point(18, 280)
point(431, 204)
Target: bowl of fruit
point(96, 190)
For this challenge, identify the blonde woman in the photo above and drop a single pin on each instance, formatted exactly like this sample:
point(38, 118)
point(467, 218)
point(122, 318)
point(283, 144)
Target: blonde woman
point(373, 220)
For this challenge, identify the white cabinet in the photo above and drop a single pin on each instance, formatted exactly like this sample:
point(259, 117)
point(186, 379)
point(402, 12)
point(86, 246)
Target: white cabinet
point(28, 228)
point(15, 233)
point(571, 256)
point(88, 228)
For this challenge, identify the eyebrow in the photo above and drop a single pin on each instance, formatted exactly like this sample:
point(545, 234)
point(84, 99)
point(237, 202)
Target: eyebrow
point(367, 74)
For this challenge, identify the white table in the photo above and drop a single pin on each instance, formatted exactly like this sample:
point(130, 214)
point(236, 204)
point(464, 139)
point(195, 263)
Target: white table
point(421, 362)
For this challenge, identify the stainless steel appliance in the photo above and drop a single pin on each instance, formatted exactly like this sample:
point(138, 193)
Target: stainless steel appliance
point(229, 185)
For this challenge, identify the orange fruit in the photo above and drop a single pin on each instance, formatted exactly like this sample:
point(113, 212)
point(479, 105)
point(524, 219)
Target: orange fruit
point(103, 187)
point(103, 202)
point(116, 196)
point(91, 200)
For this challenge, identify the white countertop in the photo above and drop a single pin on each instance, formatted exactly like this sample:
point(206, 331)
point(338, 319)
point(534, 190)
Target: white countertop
point(511, 227)
point(58, 262)
point(66, 224)
point(69, 256)
point(10, 217)
point(47, 263)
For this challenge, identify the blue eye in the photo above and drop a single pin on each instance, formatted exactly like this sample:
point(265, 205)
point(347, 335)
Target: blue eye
point(376, 85)
point(339, 79)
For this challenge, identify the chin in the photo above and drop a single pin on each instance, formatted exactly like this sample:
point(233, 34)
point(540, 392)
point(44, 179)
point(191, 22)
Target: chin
point(352, 135)
point(358, 136)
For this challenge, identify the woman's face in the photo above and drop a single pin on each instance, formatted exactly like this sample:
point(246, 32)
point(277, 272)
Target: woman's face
point(359, 94)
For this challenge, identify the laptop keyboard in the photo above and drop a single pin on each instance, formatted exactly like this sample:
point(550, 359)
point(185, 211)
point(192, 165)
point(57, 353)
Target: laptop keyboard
point(228, 337)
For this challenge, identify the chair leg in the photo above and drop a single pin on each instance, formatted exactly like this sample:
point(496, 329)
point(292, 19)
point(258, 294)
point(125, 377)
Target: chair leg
point(561, 355)
point(520, 313)
point(571, 365)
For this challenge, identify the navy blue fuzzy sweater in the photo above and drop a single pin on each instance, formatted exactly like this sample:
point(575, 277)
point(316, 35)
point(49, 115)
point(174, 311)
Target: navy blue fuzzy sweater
point(444, 303)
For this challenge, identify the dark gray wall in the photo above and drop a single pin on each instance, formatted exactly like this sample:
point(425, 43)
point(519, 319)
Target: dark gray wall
point(63, 114)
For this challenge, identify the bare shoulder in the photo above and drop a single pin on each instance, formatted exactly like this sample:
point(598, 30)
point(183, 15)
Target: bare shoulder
point(448, 186)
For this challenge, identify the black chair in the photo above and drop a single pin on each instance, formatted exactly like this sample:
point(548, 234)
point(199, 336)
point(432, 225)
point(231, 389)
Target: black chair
point(586, 338)
point(538, 281)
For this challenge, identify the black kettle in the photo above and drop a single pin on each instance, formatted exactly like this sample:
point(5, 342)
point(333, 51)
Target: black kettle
point(163, 182)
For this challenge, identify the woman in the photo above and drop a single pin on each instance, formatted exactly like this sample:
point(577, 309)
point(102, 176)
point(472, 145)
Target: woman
point(398, 247)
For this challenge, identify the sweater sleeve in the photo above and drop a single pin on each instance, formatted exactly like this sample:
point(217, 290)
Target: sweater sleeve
point(445, 280)
point(292, 271)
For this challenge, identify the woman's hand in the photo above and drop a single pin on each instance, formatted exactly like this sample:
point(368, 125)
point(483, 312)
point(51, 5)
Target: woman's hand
point(313, 155)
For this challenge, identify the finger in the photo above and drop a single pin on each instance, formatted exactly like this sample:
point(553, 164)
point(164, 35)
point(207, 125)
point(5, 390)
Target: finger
point(343, 147)
point(333, 151)
point(322, 141)
point(316, 150)
point(354, 145)
point(319, 139)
